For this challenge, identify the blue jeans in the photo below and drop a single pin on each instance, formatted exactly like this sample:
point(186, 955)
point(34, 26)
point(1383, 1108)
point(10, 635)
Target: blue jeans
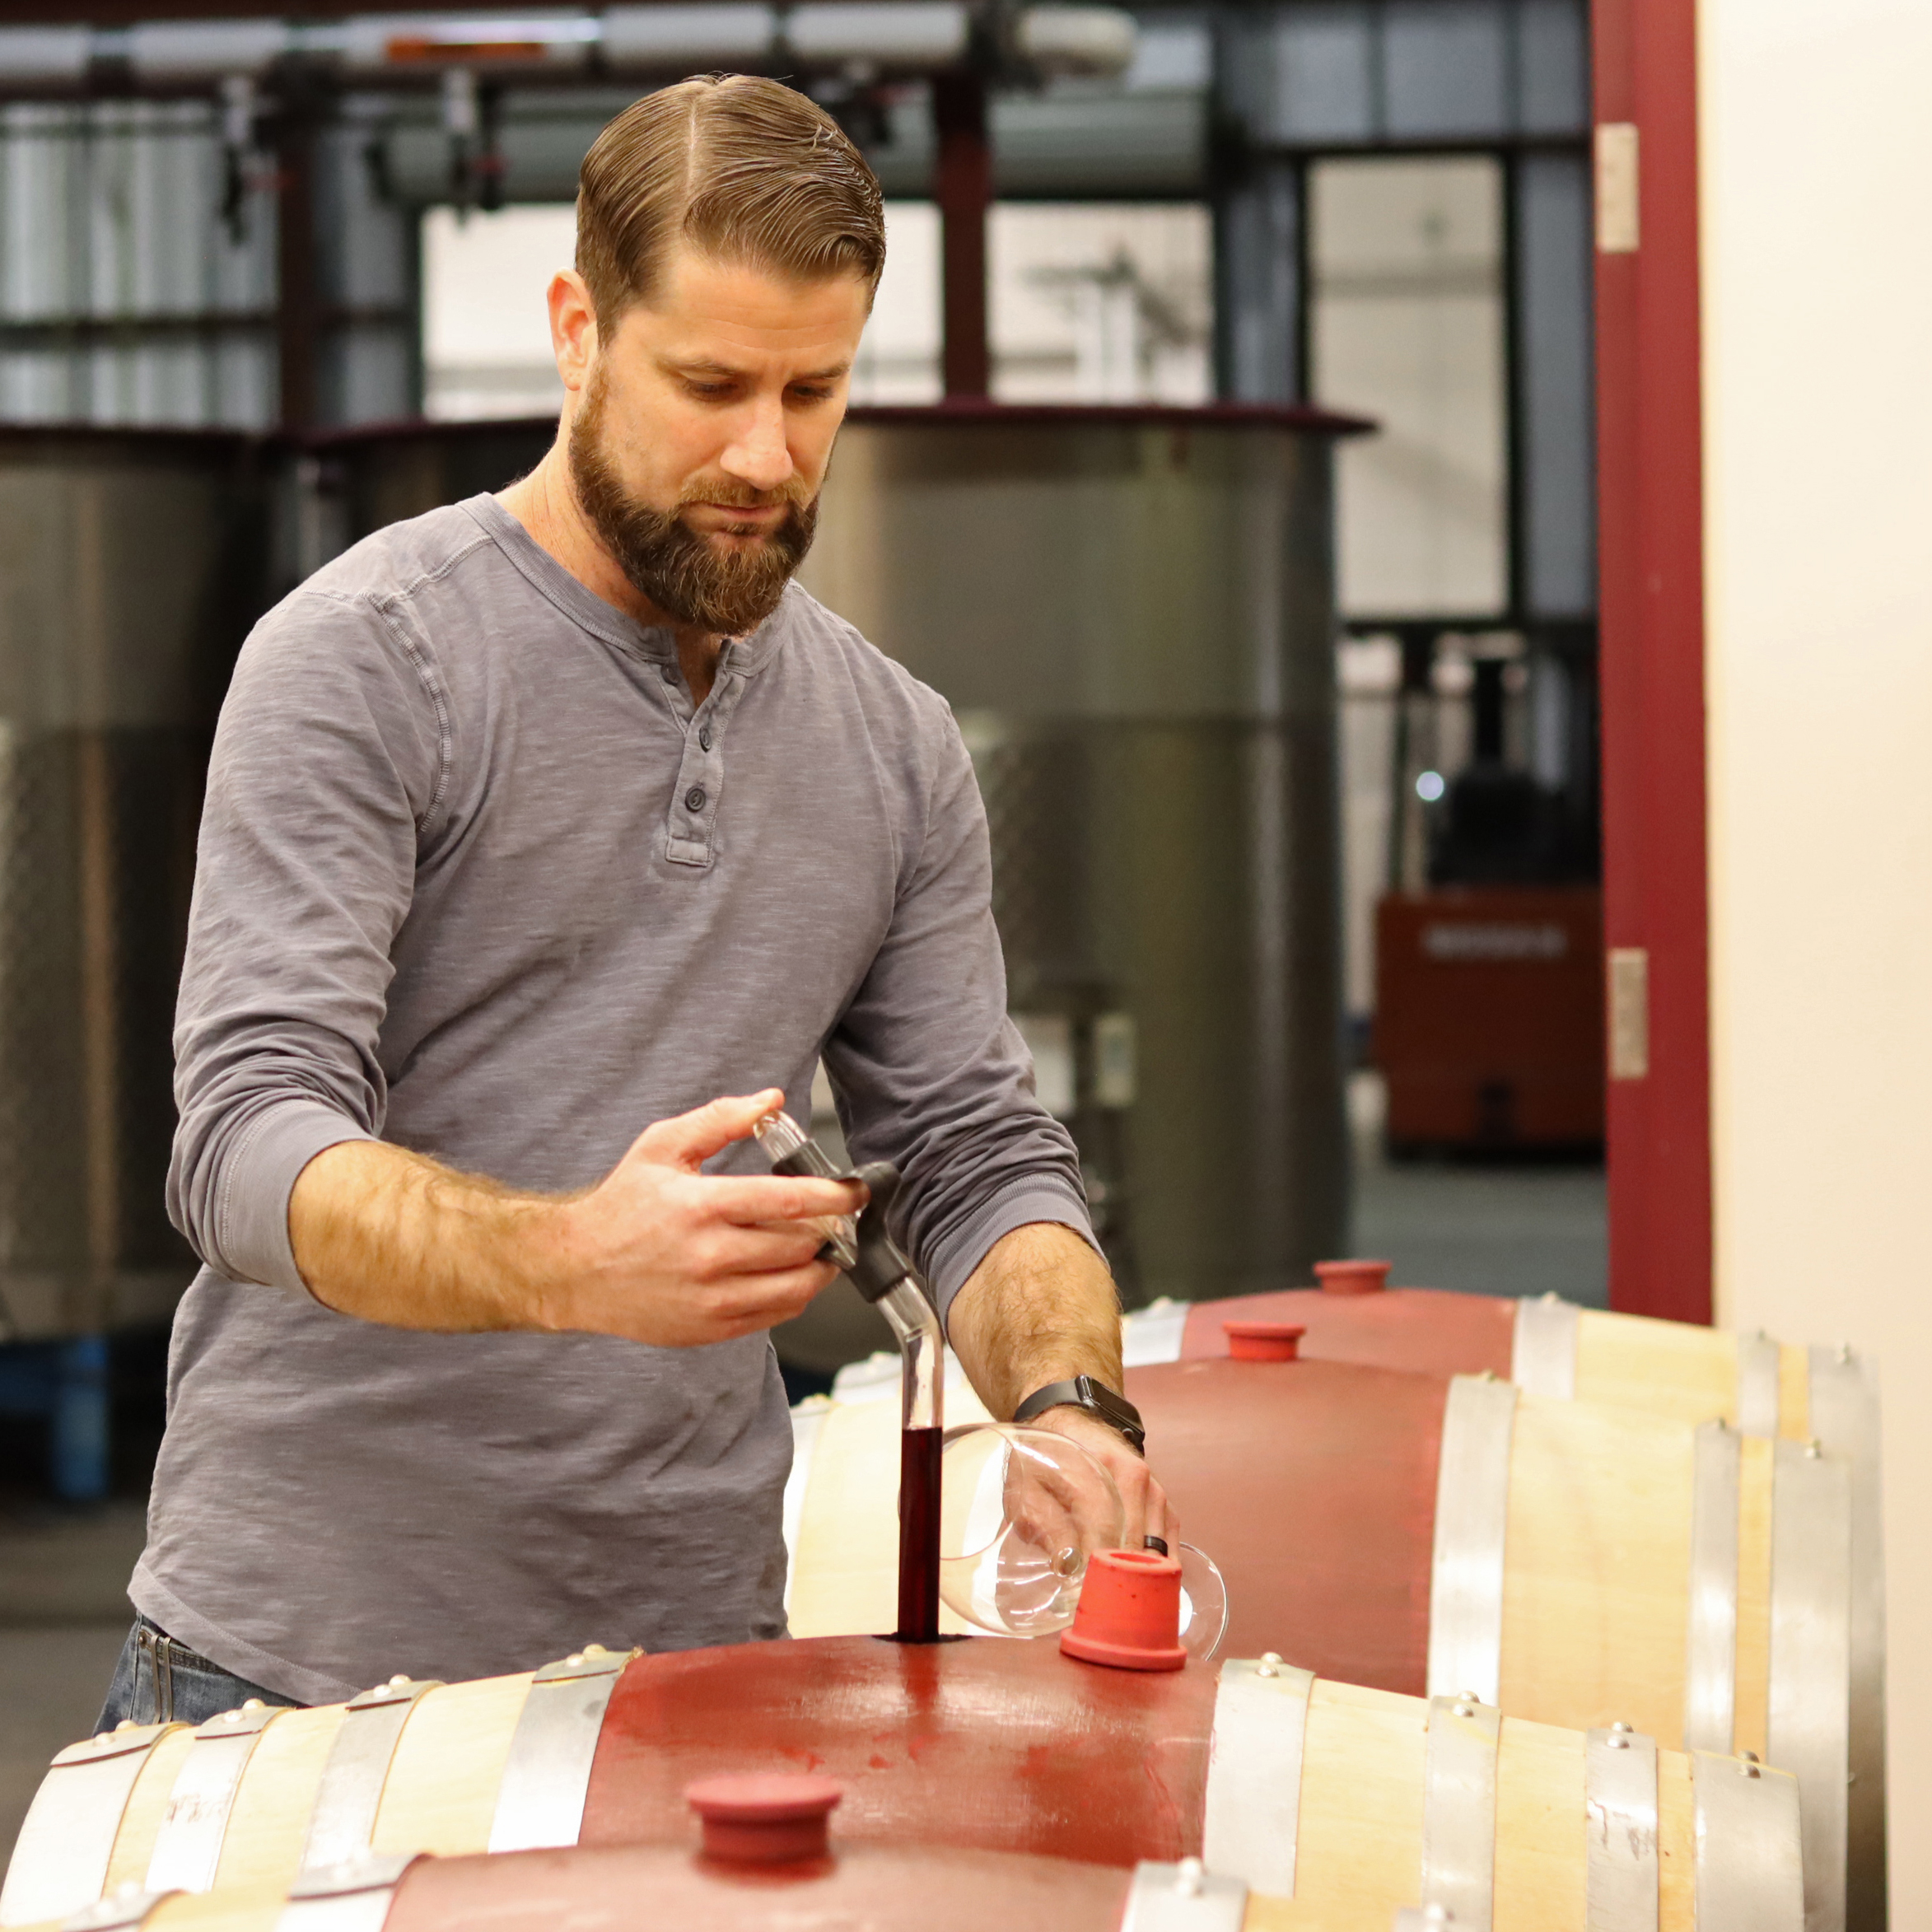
point(159, 1681)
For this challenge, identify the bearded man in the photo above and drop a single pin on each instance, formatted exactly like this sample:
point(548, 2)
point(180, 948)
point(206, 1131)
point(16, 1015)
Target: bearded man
point(533, 823)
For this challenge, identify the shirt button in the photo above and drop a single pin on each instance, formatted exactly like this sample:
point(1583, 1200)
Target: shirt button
point(694, 799)
point(669, 673)
point(704, 738)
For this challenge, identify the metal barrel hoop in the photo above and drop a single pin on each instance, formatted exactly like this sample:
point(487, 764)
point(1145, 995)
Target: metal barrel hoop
point(1711, 1637)
point(1759, 1398)
point(61, 1858)
point(1184, 1897)
point(1252, 1816)
point(1471, 1523)
point(188, 1847)
point(540, 1799)
point(1809, 1732)
point(1620, 1801)
point(1460, 1811)
point(1542, 1356)
point(1750, 1859)
point(350, 1793)
point(121, 1911)
point(354, 1895)
point(1845, 1417)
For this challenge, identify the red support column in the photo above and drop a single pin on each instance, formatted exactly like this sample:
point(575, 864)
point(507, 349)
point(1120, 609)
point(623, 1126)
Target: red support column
point(962, 186)
point(1650, 526)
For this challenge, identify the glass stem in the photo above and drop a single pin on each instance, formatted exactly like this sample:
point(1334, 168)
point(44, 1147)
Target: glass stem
point(923, 1353)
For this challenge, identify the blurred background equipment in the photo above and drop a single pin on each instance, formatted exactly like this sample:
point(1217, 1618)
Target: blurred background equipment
point(127, 576)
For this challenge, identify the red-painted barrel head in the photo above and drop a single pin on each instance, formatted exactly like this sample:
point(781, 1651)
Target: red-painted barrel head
point(1129, 1613)
point(1353, 1277)
point(1264, 1341)
point(764, 1818)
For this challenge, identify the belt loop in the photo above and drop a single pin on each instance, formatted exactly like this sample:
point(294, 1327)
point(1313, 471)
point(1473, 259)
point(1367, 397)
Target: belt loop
point(159, 1647)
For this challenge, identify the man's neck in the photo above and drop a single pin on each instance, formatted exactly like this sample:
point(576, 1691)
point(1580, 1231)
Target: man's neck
point(545, 503)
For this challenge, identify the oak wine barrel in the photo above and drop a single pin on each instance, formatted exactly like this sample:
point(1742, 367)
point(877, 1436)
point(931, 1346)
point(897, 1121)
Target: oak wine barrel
point(1679, 1369)
point(1339, 1805)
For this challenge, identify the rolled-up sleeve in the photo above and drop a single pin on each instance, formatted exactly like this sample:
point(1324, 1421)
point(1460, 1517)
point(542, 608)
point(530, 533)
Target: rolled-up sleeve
point(929, 1071)
point(327, 769)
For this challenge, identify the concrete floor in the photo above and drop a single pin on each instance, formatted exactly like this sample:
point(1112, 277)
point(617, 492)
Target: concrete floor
point(63, 1617)
point(63, 1610)
point(1487, 1228)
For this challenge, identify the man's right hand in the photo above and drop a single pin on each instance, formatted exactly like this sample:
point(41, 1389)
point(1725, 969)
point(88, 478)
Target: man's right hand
point(658, 1250)
point(661, 1252)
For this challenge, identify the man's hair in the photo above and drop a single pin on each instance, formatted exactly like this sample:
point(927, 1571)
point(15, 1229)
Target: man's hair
point(743, 169)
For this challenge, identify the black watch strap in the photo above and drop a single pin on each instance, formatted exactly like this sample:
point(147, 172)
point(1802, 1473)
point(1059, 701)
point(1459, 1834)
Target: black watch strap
point(1083, 1392)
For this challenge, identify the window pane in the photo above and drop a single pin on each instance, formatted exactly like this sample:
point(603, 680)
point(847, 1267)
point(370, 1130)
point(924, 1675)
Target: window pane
point(1407, 326)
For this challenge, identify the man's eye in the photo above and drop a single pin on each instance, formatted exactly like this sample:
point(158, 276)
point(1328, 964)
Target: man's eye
point(803, 394)
point(709, 390)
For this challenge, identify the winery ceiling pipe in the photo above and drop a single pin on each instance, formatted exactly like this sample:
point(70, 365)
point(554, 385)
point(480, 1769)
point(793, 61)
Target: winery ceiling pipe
point(876, 38)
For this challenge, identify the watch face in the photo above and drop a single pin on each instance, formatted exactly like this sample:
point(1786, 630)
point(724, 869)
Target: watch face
point(1114, 1408)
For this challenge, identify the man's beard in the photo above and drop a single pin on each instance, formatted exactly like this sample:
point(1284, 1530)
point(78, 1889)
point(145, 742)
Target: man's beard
point(728, 592)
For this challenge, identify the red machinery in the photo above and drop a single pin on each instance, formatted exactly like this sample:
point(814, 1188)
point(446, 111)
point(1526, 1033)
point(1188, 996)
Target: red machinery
point(1489, 1018)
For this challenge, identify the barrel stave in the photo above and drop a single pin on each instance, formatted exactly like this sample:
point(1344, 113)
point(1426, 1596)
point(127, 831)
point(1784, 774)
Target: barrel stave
point(440, 1795)
point(1597, 1560)
point(147, 1803)
point(1359, 1844)
point(255, 1909)
point(270, 1821)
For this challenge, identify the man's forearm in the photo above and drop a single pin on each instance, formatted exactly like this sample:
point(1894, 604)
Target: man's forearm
point(1041, 1308)
point(658, 1252)
point(392, 1236)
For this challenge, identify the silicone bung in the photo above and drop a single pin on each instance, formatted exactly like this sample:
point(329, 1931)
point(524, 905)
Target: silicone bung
point(1264, 1341)
point(1353, 1277)
point(1129, 1614)
point(764, 1817)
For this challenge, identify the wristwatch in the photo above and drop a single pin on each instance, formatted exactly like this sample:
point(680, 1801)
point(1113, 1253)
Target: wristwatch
point(1083, 1392)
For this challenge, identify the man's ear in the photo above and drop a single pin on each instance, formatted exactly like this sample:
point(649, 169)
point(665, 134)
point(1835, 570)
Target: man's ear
point(573, 328)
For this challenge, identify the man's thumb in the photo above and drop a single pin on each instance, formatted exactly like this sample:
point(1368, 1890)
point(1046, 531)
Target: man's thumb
point(689, 1139)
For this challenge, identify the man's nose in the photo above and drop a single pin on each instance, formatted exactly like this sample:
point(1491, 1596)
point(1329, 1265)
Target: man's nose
point(759, 455)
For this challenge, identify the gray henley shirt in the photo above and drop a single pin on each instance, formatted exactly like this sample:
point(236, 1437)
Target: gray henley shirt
point(476, 877)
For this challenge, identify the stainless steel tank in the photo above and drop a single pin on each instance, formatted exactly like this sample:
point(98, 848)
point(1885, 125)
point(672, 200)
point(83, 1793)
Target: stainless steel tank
point(1132, 610)
point(130, 563)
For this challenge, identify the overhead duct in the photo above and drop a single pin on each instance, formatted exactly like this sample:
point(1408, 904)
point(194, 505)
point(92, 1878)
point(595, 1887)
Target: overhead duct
point(46, 57)
point(902, 37)
point(658, 38)
point(1093, 40)
point(921, 34)
point(188, 53)
point(387, 46)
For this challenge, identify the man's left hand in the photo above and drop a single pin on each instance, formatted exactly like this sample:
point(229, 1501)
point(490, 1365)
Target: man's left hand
point(1148, 1511)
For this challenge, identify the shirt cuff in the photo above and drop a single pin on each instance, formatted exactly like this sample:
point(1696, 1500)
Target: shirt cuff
point(953, 1259)
point(253, 1233)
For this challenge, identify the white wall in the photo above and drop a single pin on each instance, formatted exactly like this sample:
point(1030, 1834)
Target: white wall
point(1816, 161)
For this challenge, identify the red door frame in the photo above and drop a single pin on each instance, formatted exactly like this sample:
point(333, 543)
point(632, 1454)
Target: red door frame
point(1650, 546)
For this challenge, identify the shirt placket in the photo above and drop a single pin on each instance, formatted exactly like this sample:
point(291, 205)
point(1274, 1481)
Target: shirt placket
point(691, 824)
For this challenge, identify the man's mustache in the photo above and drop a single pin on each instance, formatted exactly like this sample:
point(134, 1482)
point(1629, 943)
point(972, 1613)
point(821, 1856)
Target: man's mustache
point(737, 495)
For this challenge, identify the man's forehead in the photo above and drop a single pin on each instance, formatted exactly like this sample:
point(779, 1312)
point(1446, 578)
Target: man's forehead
point(703, 308)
